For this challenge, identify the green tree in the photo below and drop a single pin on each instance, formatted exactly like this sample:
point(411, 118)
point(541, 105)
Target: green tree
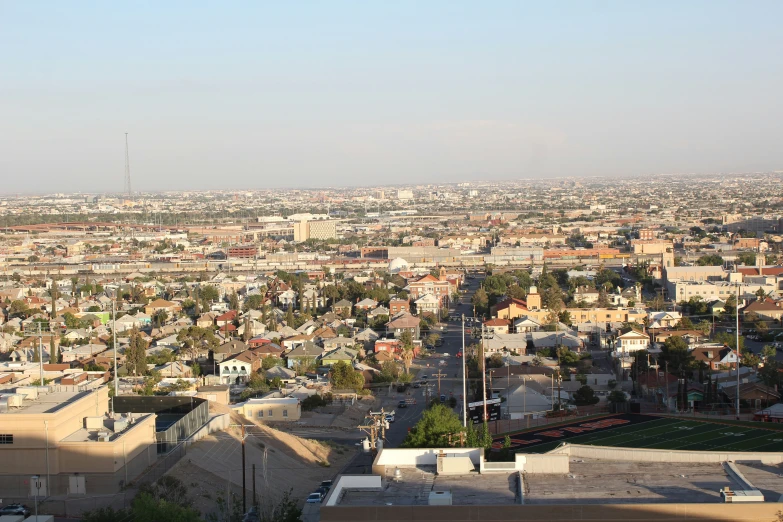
point(146, 508)
point(271, 362)
point(617, 396)
point(480, 300)
point(160, 317)
point(136, 354)
point(343, 376)
point(390, 372)
point(585, 396)
point(233, 301)
point(675, 352)
point(552, 298)
point(18, 308)
point(253, 302)
point(495, 361)
point(704, 327)
point(208, 294)
point(433, 428)
point(406, 340)
point(710, 260)
point(768, 354)
point(749, 359)
point(523, 279)
point(195, 339)
point(603, 298)
point(746, 258)
point(516, 292)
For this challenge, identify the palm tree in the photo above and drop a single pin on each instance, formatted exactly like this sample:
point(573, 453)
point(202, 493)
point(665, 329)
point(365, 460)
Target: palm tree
point(407, 357)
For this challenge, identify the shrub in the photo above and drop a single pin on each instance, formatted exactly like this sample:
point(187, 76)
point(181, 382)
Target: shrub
point(313, 402)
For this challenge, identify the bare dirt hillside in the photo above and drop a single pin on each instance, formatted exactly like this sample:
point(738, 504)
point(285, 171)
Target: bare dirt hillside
point(282, 461)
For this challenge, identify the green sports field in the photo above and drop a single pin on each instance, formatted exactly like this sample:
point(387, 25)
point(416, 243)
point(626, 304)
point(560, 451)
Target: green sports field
point(656, 433)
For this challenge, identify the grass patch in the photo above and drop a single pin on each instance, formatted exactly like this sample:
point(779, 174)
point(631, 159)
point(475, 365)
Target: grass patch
point(650, 432)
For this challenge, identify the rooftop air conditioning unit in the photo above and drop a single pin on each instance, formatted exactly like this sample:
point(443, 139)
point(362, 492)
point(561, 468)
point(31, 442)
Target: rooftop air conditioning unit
point(14, 400)
point(93, 423)
point(30, 392)
point(103, 436)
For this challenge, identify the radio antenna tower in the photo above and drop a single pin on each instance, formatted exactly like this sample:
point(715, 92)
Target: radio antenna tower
point(127, 169)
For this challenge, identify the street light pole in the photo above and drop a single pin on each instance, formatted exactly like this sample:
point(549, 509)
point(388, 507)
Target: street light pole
point(114, 344)
point(464, 380)
point(736, 309)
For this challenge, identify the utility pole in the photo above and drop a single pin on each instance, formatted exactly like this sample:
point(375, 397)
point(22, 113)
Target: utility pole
point(114, 344)
point(736, 309)
point(244, 473)
point(374, 422)
point(484, 371)
point(452, 442)
point(464, 380)
point(40, 356)
point(439, 375)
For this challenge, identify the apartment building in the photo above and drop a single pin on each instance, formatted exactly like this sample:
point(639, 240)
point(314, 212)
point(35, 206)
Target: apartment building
point(709, 291)
point(320, 229)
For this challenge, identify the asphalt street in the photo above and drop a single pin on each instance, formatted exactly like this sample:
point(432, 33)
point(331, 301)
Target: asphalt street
point(444, 360)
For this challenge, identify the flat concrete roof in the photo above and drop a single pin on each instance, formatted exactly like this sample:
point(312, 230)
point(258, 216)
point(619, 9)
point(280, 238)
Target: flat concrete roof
point(589, 482)
point(613, 482)
point(415, 484)
point(49, 402)
point(85, 435)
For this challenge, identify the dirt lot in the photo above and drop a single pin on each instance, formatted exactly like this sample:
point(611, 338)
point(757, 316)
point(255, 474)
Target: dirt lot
point(283, 462)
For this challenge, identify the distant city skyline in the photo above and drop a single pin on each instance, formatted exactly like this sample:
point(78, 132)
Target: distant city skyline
point(263, 95)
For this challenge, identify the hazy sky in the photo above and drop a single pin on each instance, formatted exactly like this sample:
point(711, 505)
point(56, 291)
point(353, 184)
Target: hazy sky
point(293, 93)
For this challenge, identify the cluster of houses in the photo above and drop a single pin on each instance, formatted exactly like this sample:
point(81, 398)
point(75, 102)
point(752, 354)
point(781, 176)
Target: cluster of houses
point(257, 339)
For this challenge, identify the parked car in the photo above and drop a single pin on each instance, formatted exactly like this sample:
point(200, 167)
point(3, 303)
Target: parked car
point(15, 509)
point(442, 398)
point(326, 484)
point(416, 385)
point(323, 491)
point(314, 498)
point(389, 418)
point(402, 404)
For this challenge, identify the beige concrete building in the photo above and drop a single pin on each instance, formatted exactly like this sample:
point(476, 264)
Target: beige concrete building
point(271, 407)
point(64, 435)
point(651, 246)
point(318, 229)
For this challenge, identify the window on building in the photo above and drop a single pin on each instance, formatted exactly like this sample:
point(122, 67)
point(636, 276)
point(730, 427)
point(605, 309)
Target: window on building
point(6, 439)
point(285, 413)
point(260, 414)
point(270, 413)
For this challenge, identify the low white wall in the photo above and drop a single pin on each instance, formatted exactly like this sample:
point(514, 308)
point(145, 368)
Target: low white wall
point(423, 456)
point(656, 455)
point(369, 482)
point(557, 464)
